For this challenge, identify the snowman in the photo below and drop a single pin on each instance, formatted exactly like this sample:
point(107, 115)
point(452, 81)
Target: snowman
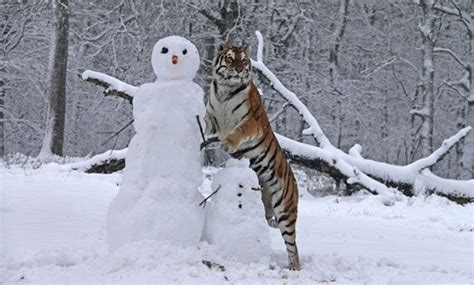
point(159, 197)
point(235, 221)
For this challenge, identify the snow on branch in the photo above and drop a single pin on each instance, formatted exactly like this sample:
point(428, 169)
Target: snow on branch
point(438, 154)
point(336, 167)
point(355, 150)
point(457, 12)
point(92, 164)
point(420, 112)
point(113, 86)
point(414, 178)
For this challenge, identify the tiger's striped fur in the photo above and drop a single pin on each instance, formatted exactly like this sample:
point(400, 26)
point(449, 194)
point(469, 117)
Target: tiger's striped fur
point(235, 113)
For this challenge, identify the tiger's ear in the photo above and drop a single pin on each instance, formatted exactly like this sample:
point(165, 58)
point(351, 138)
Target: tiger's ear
point(247, 49)
point(222, 46)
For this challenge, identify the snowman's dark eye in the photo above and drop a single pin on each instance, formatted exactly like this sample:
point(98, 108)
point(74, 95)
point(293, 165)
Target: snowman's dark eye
point(164, 50)
point(185, 51)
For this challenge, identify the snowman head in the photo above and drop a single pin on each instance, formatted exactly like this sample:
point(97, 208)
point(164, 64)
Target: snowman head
point(175, 58)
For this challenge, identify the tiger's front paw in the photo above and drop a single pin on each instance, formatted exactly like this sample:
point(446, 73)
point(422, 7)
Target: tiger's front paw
point(230, 145)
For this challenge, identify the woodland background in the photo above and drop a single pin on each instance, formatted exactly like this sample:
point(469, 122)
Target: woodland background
point(361, 67)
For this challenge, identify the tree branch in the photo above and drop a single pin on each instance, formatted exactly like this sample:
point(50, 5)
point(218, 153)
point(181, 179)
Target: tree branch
point(113, 86)
point(453, 55)
point(438, 154)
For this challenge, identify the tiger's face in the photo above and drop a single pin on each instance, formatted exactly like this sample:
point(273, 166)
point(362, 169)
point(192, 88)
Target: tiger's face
point(232, 63)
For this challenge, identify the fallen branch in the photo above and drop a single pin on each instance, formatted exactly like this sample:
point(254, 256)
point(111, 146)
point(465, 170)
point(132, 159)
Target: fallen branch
point(113, 86)
point(106, 162)
point(410, 178)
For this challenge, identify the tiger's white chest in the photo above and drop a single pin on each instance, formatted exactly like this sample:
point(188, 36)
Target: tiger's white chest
point(229, 112)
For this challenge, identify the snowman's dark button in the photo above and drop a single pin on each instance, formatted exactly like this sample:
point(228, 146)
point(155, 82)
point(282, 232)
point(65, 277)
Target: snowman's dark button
point(239, 194)
point(240, 206)
point(240, 185)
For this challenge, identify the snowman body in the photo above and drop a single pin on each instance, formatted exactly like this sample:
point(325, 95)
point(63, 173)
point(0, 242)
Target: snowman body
point(159, 197)
point(235, 221)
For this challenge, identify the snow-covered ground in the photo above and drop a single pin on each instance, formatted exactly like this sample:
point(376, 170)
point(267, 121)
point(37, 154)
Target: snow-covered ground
point(53, 232)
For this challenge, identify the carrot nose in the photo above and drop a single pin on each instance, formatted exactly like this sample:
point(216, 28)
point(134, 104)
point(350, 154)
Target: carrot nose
point(174, 59)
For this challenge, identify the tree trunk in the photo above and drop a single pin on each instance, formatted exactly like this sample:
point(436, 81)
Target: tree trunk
point(385, 124)
point(467, 160)
point(2, 117)
point(333, 68)
point(427, 27)
point(5, 27)
point(54, 131)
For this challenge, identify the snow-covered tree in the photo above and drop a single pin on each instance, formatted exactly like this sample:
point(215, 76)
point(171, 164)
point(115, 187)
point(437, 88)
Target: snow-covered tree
point(54, 132)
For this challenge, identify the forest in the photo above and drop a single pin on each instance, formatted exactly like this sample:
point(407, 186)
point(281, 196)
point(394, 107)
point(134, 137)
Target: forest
point(392, 76)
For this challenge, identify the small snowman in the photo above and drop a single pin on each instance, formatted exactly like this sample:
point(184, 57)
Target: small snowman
point(235, 221)
point(159, 197)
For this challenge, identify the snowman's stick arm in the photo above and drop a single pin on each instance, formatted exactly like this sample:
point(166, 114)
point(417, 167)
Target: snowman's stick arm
point(208, 197)
point(200, 129)
point(208, 141)
point(203, 137)
point(113, 86)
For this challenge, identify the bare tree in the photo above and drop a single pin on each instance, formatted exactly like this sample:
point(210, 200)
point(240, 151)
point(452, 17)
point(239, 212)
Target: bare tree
point(427, 28)
point(54, 131)
point(334, 49)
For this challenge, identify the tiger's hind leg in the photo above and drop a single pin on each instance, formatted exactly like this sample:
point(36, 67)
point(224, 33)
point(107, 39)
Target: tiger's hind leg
point(286, 221)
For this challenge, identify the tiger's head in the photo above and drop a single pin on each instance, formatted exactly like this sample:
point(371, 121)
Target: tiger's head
point(232, 64)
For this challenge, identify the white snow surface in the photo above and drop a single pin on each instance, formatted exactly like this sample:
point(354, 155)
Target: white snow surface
point(159, 196)
point(235, 220)
point(53, 232)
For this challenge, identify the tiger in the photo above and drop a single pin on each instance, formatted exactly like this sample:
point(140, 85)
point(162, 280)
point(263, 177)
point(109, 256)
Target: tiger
point(235, 113)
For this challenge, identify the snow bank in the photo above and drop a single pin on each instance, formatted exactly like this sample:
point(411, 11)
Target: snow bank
point(53, 232)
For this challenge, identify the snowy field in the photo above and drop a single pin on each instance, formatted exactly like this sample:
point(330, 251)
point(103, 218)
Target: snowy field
point(53, 232)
